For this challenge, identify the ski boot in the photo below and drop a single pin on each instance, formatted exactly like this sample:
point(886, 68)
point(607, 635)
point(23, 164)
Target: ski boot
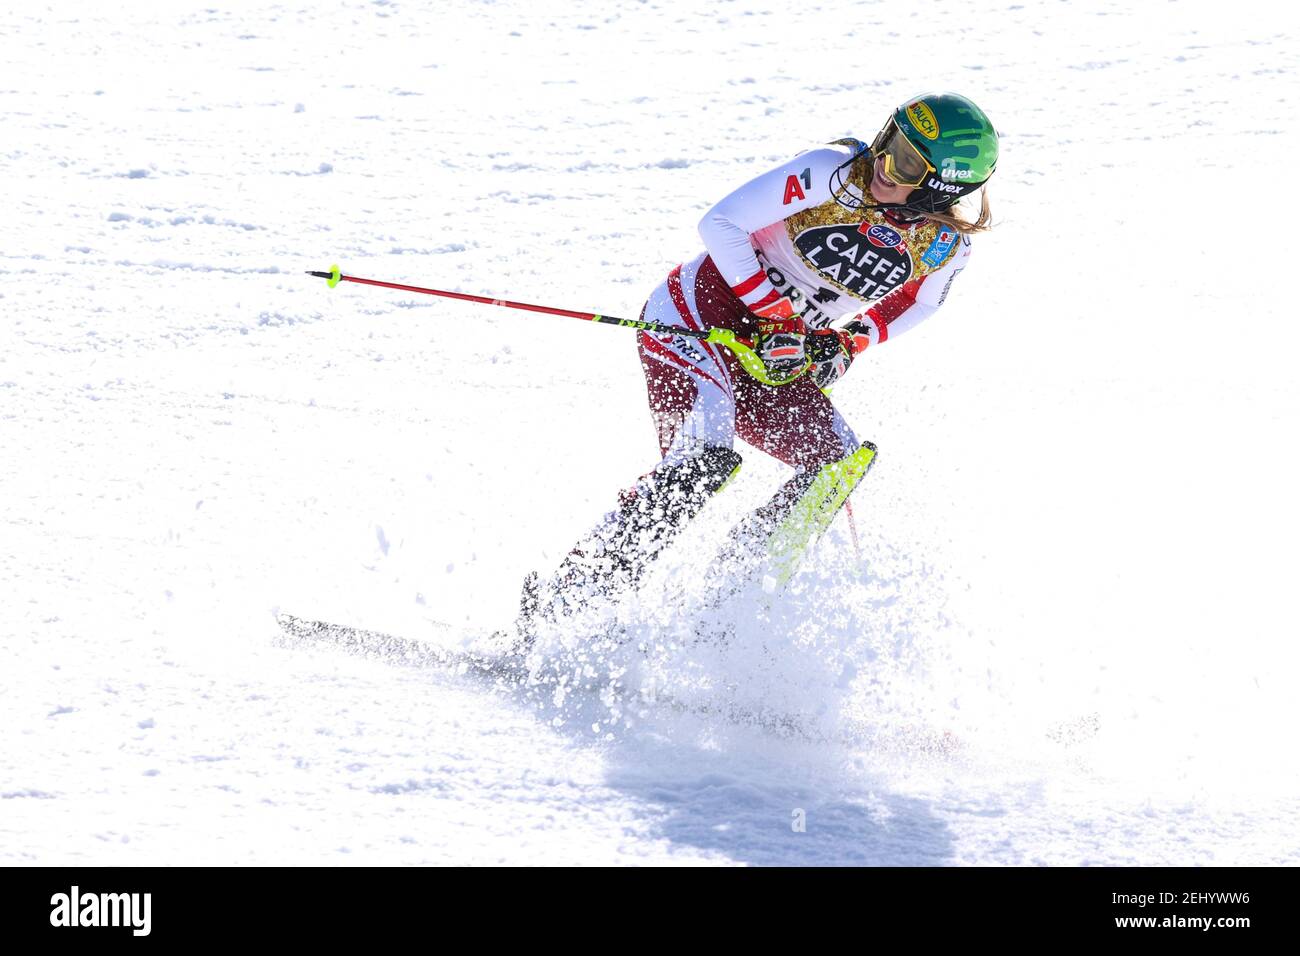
point(612, 559)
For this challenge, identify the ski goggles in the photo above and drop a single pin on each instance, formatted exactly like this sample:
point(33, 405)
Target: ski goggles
point(904, 163)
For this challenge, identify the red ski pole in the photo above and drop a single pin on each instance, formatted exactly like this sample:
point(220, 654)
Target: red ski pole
point(743, 349)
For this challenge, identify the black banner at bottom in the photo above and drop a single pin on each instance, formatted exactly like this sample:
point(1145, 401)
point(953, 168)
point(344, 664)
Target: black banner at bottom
point(132, 906)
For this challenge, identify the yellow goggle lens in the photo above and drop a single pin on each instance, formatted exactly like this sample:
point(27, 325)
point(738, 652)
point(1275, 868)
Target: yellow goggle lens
point(903, 164)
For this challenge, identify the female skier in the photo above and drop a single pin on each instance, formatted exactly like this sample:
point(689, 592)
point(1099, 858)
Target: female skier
point(828, 254)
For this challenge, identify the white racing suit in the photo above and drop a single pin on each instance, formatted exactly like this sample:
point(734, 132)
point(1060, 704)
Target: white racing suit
point(801, 240)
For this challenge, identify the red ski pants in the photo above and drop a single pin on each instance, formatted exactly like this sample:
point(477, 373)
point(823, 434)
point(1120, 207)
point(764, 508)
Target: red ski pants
point(700, 395)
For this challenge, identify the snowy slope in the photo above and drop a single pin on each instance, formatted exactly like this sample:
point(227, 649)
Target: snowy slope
point(1068, 638)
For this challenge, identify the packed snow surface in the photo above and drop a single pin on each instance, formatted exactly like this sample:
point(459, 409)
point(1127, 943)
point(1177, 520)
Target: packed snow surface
point(1067, 634)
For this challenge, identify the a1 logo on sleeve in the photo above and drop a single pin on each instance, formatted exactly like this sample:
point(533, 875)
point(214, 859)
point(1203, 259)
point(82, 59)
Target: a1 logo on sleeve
point(794, 189)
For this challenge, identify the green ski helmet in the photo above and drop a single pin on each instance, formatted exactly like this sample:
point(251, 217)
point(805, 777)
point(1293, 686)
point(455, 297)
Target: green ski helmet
point(942, 145)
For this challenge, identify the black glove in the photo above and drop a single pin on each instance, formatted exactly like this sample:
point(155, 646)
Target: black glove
point(831, 354)
point(780, 344)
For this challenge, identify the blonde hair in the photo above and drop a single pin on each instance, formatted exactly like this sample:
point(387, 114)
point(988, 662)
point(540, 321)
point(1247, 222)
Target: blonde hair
point(955, 217)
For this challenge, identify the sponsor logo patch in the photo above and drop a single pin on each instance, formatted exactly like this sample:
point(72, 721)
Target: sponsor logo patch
point(923, 119)
point(793, 190)
point(882, 237)
point(853, 260)
point(939, 248)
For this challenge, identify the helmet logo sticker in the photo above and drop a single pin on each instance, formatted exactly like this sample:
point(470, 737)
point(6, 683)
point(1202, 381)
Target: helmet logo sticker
point(950, 171)
point(942, 187)
point(922, 118)
point(844, 254)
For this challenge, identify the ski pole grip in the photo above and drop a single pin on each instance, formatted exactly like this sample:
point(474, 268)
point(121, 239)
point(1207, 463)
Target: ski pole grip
point(749, 360)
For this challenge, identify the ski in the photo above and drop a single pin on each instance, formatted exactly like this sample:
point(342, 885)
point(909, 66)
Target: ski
point(392, 649)
point(511, 668)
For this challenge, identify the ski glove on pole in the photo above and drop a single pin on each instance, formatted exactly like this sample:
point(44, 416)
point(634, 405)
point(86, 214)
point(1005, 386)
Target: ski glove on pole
point(831, 354)
point(780, 344)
